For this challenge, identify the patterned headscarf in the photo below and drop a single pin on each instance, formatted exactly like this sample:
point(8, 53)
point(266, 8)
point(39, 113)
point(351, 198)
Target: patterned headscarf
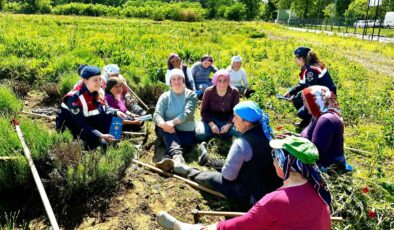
point(288, 162)
point(320, 100)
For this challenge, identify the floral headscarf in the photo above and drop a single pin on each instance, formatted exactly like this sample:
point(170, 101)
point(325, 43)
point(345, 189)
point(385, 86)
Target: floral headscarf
point(320, 100)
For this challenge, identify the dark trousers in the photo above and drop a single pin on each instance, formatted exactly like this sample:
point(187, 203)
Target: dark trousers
point(247, 93)
point(215, 163)
point(238, 197)
point(175, 141)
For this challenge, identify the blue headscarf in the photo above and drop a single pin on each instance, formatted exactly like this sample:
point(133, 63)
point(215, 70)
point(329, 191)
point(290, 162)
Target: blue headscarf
point(250, 111)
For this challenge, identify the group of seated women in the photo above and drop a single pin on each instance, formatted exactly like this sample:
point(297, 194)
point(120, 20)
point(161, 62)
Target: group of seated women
point(198, 78)
point(272, 178)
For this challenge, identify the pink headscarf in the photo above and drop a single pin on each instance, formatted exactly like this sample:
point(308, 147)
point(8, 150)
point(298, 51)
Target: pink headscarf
point(221, 72)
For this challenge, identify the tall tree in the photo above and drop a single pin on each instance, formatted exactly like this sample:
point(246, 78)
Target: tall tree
point(282, 4)
point(342, 6)
point(253, 7)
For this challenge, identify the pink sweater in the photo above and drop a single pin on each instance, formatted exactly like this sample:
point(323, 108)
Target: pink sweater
point(297, 207)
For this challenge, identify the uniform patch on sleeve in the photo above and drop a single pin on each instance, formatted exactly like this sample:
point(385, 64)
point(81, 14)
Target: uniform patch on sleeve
point(309, 76)
point(75, 111)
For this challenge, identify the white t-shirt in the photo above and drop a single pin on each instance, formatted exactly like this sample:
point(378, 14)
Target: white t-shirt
point(238, 78)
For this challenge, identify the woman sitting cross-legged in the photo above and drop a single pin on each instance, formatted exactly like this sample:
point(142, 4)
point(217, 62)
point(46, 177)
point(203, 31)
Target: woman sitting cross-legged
point(115, 99)
point(174, 118)
point(248, 173)
point(217, 108)
point(301, 203)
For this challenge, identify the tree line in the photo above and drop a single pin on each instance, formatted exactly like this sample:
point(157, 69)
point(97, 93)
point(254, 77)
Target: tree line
point(213, 9)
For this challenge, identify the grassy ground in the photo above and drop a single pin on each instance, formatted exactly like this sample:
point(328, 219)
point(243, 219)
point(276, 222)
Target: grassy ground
point(41, 49)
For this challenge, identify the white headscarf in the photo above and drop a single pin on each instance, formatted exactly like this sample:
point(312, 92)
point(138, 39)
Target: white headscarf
point(235, 59)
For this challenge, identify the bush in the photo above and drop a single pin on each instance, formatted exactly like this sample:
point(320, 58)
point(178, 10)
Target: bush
point(158, 11)
point(155, 10)
point(14, 7)
point(9, 103)
point(67, 83)
point(28, 7)
point(95, 170)
point(85, 9)
point(190, 15)
point(236, 12)
point(38, 138)
point(19, 69)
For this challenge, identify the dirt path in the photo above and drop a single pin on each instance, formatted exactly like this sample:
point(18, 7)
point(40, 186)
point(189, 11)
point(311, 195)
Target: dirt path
point(143, 194)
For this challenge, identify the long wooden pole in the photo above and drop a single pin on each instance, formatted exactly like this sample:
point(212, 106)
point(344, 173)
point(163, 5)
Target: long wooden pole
point(39, 115)
point(5, 158)
point(36, 177)
point(235, 214)
point(135, 95)
point(348, 148)
point(358, 150)
point(134, 133)
point(189, 182)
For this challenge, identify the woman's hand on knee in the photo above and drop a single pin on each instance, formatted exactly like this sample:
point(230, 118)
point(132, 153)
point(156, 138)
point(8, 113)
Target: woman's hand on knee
point(214, 128)
point(225, 128)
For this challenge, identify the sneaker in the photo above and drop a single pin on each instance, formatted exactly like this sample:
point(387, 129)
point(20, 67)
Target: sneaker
point(165, 164)
point(178, 159)
point(165, 220)
point(202, 154)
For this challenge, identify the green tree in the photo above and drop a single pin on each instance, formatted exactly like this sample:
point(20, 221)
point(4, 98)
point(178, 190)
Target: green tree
point(267, 11)
point(236, 12)
point(330, 10)
point(253, 7)
point(213, 6)
point(342, 6)
point(282, 4)
point(305, 8)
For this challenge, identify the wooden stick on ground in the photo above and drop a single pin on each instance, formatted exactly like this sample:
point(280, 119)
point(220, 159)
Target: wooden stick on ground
point(136, 96)
point(36, 177)
point(189, 182)
point(358, 150)
point(134, 133)
point(5, 158)
point(197, 213)
point(39, 115)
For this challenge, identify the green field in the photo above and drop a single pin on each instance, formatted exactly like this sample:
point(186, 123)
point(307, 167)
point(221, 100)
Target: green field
point(43, 49)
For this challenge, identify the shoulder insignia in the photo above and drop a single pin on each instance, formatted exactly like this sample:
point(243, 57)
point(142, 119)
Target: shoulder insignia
point(309, 76)
point(75, 111)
